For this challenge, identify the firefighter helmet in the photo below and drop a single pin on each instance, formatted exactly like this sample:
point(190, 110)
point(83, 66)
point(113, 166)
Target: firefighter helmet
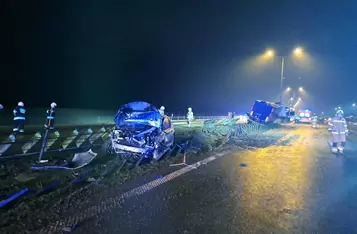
point(21, 104)
point(339, 112)
point(53, 105)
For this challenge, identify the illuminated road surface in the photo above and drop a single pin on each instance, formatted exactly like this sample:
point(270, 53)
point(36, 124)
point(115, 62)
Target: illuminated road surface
point(295, 186)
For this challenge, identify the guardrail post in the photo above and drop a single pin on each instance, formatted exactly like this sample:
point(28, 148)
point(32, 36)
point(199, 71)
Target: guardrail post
point(43, 147)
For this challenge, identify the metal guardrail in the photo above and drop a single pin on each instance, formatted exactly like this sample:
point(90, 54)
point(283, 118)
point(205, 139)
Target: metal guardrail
point(62, 120)
point(200, 117)
point(29, 146)
point(32, 145)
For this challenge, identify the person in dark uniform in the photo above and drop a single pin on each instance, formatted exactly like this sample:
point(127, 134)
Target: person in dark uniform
point(19, 117)
point(50, 116)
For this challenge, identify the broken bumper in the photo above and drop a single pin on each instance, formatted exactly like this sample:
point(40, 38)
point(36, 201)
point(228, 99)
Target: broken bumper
point(131, 149)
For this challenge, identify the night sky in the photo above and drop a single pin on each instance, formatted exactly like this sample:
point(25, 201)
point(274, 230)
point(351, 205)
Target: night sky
point(102, 54)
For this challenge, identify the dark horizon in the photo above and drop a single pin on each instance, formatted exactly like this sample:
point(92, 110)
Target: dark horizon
point(100, 55)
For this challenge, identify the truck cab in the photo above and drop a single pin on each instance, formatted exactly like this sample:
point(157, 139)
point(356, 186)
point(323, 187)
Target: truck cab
point(264, 112)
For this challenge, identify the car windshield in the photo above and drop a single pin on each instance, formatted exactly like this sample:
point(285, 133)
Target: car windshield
point(138, 113)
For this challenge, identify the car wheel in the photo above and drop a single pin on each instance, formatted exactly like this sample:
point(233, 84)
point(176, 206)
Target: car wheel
point(107, 147)
point(158, 153)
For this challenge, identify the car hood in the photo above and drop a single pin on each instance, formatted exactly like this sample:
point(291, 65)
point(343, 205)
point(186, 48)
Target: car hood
point(135, 113)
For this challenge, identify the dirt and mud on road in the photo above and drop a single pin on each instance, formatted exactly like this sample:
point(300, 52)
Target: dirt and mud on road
point(91, 200)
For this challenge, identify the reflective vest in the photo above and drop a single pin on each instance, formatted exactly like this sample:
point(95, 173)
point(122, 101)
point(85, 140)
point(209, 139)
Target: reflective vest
point(338, 125)
point(50, 113)
point(19, 113)
point(190, 115)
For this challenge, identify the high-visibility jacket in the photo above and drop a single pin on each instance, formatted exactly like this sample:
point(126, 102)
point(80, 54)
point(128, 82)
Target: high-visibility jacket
point(19, 113)
point(50, 113)
point(190, 115)
point(338, 125)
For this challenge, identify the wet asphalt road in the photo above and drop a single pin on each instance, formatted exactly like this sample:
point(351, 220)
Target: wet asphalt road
point(294, 186)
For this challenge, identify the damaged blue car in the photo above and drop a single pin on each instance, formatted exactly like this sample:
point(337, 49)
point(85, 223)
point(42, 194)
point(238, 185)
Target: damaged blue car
point(141, 132)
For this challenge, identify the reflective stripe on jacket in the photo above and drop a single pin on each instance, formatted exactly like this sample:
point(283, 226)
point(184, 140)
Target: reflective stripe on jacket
point(50, 114)
point(338, 125)
point(19, 113)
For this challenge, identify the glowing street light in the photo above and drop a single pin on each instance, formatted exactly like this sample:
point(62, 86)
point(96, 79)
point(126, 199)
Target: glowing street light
point(354, 104)
point(301, 89)
point(270, 53)
point(288, 89)
point(299, 99)
point(298, 51)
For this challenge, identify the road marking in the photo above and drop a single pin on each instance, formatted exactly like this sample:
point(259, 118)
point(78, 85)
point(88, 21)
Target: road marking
point(118, 200)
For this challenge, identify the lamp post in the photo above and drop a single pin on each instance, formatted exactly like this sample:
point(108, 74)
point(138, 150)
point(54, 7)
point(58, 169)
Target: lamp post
point(270, 53)
point(299, 90)
point(281, 78)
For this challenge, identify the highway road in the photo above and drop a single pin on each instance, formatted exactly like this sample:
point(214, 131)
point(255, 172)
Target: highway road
point(292, 186)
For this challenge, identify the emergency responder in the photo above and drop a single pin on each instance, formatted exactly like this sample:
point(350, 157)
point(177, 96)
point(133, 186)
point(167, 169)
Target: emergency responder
point(50, 116)
point(162, 111)
point(314, 121)
point(1, 107)
point(190, 116)
point(19, 117)
point(338, 128)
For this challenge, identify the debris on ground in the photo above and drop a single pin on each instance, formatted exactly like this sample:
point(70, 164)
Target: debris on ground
point(106, 172)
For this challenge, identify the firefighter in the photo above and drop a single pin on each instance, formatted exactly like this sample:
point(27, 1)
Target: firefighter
point(314, 121)
point(338, 128)
point(50, 116)
point(189, 117)
point(19, 117)
point(1, 107)
point(162, 111)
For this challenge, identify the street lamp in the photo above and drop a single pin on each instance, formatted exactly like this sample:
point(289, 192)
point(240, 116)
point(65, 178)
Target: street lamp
point(298, 51)
point(354, 104)
point(301, 89)
point(270, 53)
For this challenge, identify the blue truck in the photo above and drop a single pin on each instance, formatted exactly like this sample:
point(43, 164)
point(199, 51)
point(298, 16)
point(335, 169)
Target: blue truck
point(267, 112)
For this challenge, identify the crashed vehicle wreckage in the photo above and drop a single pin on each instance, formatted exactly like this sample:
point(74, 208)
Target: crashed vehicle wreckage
point(265, 112)
point(141, 132)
